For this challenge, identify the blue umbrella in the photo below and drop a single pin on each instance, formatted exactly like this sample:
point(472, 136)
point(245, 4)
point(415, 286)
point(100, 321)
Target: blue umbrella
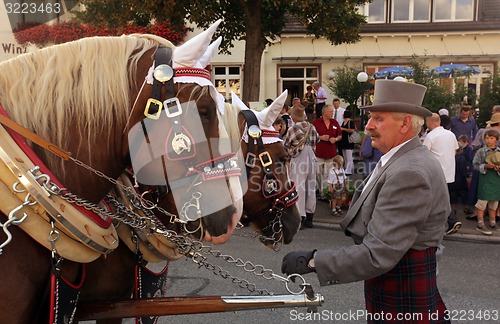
point(454, 70)
point(395, 71)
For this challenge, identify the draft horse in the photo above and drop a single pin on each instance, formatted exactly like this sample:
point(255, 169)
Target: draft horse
point(269, 202)
point(83, 97)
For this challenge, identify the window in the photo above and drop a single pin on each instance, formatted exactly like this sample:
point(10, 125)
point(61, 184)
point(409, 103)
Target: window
point(374, 11)
point(227, 79)
point(408, 11)
point(411, 11)
point(453, 10)
point(295, 79)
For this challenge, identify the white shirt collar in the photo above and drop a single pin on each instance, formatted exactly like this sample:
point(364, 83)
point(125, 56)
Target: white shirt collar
point(387, 156)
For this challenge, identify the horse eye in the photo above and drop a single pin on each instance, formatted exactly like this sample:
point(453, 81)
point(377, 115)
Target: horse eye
point(204, 113)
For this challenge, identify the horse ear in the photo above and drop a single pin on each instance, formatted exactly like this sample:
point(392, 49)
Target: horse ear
point(209, 54)
point(268, 116)
point(191, 52)
point(237, 101)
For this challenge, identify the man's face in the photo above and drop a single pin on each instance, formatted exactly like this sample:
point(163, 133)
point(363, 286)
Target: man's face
point(464, 114)
point(385, 130)
point(336, 104)
point(328, 113)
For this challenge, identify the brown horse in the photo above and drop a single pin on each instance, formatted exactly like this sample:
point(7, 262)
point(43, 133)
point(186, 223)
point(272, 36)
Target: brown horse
point(269, 202)
point(84, 97)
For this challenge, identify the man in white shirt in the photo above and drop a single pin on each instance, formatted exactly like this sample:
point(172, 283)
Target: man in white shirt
point(338, 112)
point(321, 97)
point(443, 145)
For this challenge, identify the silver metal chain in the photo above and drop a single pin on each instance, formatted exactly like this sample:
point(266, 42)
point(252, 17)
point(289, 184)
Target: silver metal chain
point(193, 249)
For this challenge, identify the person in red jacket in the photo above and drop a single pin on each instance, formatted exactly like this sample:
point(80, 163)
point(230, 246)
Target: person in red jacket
point(329, 134)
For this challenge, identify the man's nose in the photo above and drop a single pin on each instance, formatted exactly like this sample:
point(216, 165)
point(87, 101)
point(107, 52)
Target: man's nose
point(369, 124)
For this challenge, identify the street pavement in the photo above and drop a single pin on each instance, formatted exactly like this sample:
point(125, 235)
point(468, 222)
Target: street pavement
point(323, 218)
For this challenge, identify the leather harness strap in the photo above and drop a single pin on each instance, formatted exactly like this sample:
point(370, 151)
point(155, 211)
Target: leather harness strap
point(6, 121)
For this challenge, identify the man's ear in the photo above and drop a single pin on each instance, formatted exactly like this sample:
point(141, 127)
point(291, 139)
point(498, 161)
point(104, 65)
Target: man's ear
point(406, 124)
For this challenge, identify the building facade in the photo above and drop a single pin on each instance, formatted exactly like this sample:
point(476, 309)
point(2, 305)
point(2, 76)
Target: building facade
point(437, 31)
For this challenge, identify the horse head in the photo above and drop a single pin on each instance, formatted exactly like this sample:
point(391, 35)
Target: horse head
point(194, 164)
point(269, 202)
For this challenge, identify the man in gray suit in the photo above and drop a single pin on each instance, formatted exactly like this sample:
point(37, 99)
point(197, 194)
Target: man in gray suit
point(397, 217)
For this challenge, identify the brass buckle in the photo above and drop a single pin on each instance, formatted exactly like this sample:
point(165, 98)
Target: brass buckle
point(148, 105)
point(175, 104)
point(250, 160)
point(267, 156)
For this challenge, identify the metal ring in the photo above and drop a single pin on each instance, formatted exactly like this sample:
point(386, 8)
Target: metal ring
point(295, 275)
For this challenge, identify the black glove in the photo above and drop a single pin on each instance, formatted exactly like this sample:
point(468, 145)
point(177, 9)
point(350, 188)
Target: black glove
point(297, 262)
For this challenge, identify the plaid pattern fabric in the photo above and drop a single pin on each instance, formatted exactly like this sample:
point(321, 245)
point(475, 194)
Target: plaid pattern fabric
point(295, 134)
point(408, 293)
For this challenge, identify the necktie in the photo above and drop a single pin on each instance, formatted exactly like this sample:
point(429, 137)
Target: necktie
point(335, 116)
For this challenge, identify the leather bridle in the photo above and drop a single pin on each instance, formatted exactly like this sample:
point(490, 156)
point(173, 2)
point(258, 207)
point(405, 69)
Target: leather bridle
point(180, 144)
point(271, 185)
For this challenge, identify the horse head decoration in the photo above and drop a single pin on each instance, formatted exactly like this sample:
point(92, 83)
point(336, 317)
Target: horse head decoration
point(105, 100)
point(269, 202)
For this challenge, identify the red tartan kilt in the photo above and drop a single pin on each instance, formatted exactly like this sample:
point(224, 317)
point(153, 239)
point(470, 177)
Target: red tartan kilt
point(408, 293)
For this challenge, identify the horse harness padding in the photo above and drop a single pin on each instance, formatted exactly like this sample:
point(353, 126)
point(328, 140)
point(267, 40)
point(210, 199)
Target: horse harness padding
point(28, 187)
point(271, 185)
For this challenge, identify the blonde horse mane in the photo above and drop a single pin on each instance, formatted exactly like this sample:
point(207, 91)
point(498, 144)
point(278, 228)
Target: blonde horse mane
point(230, 120)
point(84, 84)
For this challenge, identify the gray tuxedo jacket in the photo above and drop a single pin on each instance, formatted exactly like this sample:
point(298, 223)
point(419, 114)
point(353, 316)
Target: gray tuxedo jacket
point(405, 207)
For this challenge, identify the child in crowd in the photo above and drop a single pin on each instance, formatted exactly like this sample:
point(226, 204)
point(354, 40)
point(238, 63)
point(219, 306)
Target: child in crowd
point(279, 126)
point(485, 161)
point(338, 184)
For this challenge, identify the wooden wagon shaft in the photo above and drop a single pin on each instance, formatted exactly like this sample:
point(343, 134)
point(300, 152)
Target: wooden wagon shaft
point(190, 305)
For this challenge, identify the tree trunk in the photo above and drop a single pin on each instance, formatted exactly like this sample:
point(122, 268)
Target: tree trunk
point(254, 47)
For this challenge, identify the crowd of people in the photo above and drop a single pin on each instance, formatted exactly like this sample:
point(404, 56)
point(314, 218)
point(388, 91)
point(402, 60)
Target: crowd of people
point(324, 169)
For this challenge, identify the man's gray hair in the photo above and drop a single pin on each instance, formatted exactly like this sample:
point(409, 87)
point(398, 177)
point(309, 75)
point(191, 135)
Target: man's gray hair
point(416, 121)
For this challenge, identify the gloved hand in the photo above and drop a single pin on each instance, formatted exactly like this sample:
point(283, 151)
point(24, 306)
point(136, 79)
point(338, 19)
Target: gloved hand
point(297, 262)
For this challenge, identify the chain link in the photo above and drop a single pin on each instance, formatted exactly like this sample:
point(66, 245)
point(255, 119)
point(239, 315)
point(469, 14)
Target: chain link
point(193, 249)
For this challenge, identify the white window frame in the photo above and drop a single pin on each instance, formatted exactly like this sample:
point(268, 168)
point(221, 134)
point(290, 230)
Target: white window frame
point(453, 12)
point(227, 77)
point(411, 9)
point(365, 10)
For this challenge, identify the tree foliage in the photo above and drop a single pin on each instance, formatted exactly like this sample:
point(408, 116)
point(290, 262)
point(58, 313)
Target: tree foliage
point(437, 96)
point(346, 85)
point(489, 98)
point(258, 22)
